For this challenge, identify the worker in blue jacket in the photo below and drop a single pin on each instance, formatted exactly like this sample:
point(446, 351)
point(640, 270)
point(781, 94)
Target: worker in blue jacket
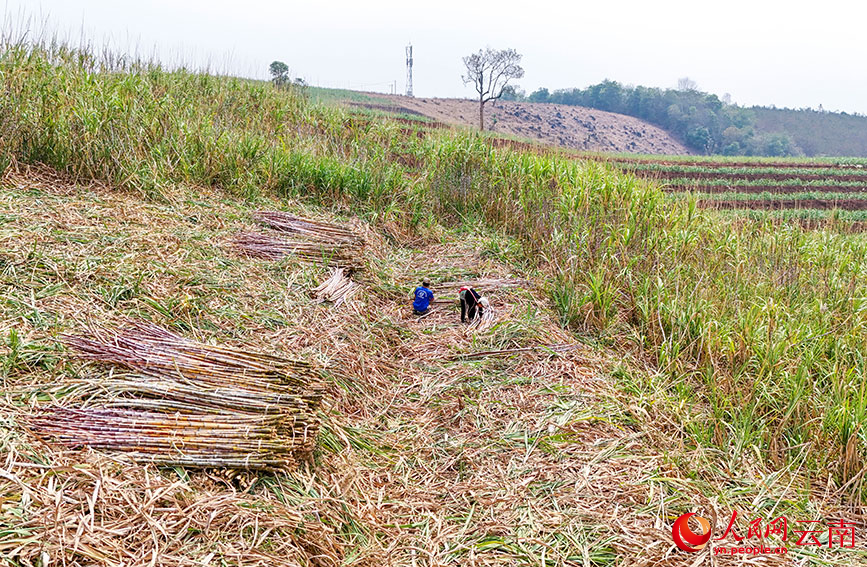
point(422, 298)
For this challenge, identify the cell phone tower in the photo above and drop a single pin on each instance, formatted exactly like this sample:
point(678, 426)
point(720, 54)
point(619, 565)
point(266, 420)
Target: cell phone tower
point(409, 70)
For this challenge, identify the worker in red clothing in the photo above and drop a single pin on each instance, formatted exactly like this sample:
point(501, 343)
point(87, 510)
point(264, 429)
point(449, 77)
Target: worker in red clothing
point(469, 304)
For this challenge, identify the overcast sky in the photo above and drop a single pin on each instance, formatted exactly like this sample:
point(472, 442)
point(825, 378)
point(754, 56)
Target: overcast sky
point(770, 53)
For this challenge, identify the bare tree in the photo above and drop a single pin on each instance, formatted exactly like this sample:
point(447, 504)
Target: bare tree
point(489, 71)
point(686, 84)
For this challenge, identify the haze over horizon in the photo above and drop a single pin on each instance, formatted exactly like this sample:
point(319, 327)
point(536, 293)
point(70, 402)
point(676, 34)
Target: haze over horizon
point(763, 54)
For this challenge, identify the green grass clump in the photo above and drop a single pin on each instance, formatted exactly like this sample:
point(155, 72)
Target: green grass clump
point(138, 126)
point(323, 94)
point(762, 325)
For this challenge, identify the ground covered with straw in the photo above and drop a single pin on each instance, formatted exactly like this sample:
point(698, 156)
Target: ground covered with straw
point(441, 444)
point(642, 357)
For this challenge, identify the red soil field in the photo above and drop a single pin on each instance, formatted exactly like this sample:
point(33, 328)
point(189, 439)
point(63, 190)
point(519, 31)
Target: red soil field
point(557, 125)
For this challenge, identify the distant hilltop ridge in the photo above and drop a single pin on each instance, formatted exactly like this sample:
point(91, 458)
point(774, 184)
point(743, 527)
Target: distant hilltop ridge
point(709, 124)
point(556, 124)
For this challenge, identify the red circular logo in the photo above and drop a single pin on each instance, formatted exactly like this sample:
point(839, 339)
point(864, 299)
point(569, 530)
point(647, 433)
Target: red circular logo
point(685, 538)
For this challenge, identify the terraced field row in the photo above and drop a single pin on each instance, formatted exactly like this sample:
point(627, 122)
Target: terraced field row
point(830, 189)
point(739, 161)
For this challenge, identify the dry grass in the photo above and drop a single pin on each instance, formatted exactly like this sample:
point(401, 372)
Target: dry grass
point(487, 284)
point(429, 454)
point(78, 508)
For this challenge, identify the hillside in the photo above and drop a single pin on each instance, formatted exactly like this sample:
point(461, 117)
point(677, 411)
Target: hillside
point(552, 124)
point(645, 358)
point(708, 125)
point(817, 133)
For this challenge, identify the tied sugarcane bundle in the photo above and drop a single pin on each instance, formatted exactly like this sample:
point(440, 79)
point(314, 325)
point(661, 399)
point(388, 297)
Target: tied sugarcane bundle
point(148, 349)
point(311, 229)
point(236, 441)
point(182, 395)
point(275, 247)
point(336, 289)
point(188, 403)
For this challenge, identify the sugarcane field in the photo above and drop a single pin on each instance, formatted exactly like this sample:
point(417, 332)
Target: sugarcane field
point(547, 301)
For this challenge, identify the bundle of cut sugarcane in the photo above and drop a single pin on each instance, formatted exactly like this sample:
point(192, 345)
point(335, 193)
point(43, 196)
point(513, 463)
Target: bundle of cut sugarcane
point(311, 229)
point(274, 247)
point(336, 289)
point(237, 441)
point(180, 394)
point(151, 350)
point(189, 403)
point(485, 320)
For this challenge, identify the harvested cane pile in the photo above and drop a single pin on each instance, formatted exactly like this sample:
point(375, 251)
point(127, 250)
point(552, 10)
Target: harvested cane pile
point(336, 289)
point(189, 403)
point(311, 229)
point(274, 247)
point(311, 240)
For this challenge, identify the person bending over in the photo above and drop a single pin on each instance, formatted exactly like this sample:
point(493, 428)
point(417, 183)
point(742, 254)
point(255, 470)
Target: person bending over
point(422, 298)
point(469, 304)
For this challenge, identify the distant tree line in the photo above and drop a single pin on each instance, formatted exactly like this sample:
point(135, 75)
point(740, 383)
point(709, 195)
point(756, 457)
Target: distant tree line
point(702, 121)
